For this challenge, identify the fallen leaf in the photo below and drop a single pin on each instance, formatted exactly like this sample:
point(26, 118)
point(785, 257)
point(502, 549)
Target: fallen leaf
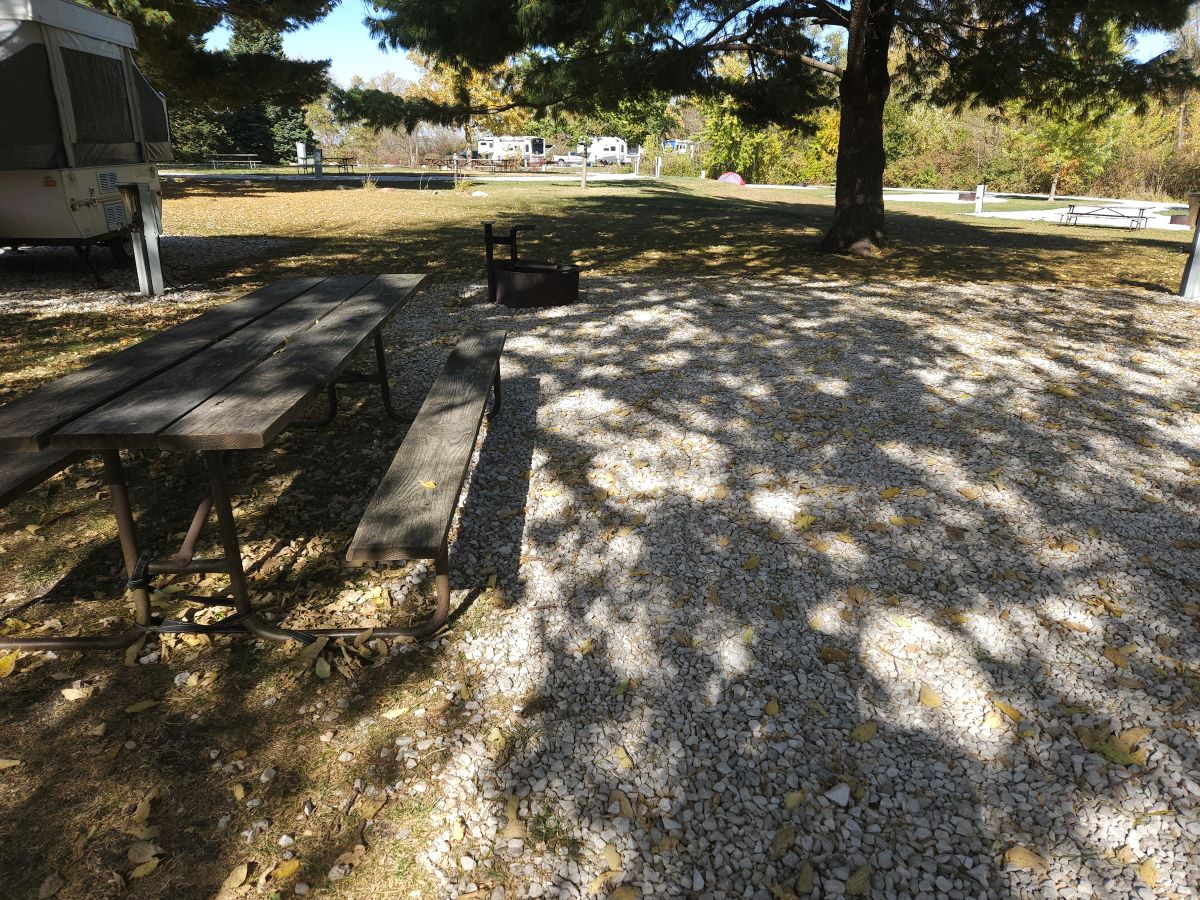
point(9, 764)
point(79, 693)
point(956, 534)
point(597, 885)
point(833, 655)
point(321, 668)
point(1009, 710)
point(144, 869)
point(624, 892)
point(51, 885)
point(803, 520)
point(783, 840)
point(235, 878)
point(612, 856)
point(751, 564)
point(805, 881)
point(793, 799)
point(1116, 657)
point(993, 721)
point(624, 763)
point(772, 708)
point(929, 697)
point(285, 870)
point(859, 884)
point(141, 812)
point(140, 706)
point(889, 493)
point(1148, 872)
point(309, 653)
point(8, 662)
point(429, 485)
point(970, 492)
point(1023, 859)
point(864, 732)
point(142, 852)
point(239, 792)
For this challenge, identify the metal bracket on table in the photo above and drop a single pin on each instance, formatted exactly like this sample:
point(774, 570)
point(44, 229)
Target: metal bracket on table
point(379, 377)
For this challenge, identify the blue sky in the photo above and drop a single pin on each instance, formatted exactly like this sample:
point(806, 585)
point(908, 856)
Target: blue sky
point(342, 37)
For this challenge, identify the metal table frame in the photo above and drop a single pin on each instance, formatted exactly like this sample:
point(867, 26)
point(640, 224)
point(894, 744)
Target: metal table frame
point(244, 620)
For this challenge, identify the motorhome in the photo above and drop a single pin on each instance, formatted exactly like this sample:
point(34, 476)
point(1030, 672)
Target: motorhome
point(528, 149)
point(79, 119)
point(606, 151)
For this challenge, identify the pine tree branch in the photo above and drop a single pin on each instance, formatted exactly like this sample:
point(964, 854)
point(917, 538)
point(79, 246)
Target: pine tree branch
point(747, 47)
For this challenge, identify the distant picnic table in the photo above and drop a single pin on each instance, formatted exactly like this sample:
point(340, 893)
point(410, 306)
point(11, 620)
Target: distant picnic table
point(248, 160)
point(1134, 216)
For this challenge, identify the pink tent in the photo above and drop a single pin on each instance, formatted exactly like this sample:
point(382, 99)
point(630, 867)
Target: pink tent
point(733, 178)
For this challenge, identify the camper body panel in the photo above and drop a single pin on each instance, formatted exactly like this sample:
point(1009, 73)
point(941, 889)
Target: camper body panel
point(68, 206)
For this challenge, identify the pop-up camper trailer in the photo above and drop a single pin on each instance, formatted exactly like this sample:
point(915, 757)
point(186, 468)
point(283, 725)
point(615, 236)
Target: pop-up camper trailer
point(78, 119)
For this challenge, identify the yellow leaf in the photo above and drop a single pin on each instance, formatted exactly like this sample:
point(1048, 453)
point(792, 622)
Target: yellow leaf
point(898, 521)
point(902, 621)
point(970, 492)
point(624, 892)
point(993, 720)
point(803, 520)
point(142, 812)
point(624, 763)
point(783, 840)
point(772, 708)
point(429, 485)
point(144, 869)
point(1116, 657)
point(856, 593)
point(235, 878)
point(1148, 872)
point(239, 792)
point(889, 493)
point(929, 697)
point(9, 764)
point(721, 492)
point(864, 732)
point(1009, 710)
point(140, 706)
point(859, 884)
point(8, 662)
point(681, 637)
point(612, 856)
point(321, 668)
point(585, 647)
point(793, 799)
point(844, 537)
point(821, 546)
point(1024, 859)
point(285, 870)
point(751, 564)
point(81, 693)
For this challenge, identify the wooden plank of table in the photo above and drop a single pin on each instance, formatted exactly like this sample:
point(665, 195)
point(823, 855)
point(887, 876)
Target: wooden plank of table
point(406, 518)
point(252, 411)
point(27, 422)
point(135, 418)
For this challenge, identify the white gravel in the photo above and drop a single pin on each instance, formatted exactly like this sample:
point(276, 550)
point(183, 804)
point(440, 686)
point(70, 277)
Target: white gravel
point(819, 588)
point(725, 695)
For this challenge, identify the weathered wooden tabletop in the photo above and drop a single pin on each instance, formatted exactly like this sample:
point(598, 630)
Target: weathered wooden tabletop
point(231, 378)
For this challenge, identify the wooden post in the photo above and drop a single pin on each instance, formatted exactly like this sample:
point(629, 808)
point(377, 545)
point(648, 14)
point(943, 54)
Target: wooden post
point(583, 177)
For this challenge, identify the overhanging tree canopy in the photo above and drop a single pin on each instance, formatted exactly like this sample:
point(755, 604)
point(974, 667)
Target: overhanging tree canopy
point(583, 55)
point(171, 50)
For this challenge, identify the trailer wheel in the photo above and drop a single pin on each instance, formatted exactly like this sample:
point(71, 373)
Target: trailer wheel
point(121, 249)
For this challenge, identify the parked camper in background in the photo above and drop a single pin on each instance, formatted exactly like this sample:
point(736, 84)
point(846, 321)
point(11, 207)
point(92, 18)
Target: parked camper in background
point(79, 119)
point(528, 149)
point(679, 145)
point(606, 151)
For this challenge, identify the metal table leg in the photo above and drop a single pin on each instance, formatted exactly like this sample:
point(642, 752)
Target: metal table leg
point(118, 493)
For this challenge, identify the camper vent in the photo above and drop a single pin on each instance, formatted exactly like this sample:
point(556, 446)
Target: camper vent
point(107, 182)
point(114, 216)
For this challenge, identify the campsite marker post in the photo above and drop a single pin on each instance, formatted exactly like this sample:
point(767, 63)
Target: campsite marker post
point(144, 229)
point(980, 190)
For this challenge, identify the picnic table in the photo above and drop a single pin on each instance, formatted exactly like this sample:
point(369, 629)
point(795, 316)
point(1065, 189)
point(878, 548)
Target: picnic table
point(343, 163)
point(232, 378)
point(250, 160)
point(1135, 216)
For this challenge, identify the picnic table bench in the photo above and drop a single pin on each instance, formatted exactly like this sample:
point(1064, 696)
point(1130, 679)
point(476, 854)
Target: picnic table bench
point(233, 379)
point(342, 163)
point(250, 160)
point(1135, 216)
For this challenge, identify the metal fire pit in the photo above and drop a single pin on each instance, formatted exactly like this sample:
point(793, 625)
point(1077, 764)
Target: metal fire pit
point(523, 284)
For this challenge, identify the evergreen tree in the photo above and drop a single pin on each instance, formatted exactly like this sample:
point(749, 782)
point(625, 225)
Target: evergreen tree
point(959, 52)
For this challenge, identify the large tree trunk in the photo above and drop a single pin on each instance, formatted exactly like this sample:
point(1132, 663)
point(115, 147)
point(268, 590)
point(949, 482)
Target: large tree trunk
point(858, 215)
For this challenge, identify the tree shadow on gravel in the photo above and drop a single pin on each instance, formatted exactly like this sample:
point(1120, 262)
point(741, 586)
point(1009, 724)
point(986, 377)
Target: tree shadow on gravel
point(1001, 493)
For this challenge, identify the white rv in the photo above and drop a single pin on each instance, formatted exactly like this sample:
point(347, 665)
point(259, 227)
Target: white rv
point(79, 119)
point(606, 151)
point(530, 150)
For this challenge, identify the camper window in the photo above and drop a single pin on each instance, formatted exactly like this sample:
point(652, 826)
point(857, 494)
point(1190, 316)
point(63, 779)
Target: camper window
point(100, 104)
point(31, 137)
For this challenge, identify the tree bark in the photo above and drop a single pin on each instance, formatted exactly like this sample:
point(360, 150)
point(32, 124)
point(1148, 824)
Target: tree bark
point(858, 224)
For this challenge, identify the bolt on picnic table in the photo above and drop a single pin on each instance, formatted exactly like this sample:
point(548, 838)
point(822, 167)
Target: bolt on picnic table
point(231, 379)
